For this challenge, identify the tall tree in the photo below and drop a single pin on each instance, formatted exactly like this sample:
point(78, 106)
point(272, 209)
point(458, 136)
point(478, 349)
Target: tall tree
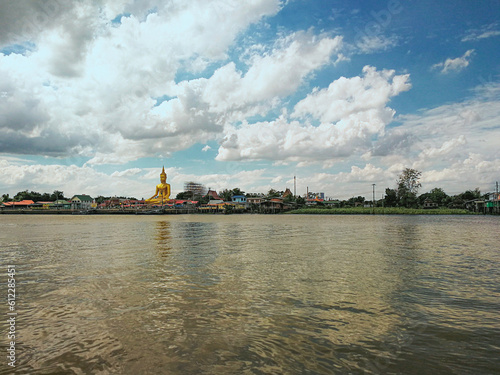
point(391, 198)
point(238, 191)
point(437, 195)
point(274, 193)
point(471, 194)
point(300, 201)
point(204, 200)
point(57, 195)
point(184, 195)
point(45, 197)
point(26, 195)
point(226, 194)
point(408, 185)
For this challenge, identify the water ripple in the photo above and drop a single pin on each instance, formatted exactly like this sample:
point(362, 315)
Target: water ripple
point(252, 294)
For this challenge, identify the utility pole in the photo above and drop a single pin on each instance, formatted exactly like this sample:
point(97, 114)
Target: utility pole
point(373, 200)
point(294, 186)
point(496, 198)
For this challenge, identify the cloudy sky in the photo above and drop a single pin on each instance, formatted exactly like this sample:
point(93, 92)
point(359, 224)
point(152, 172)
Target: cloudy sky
point(96, 96)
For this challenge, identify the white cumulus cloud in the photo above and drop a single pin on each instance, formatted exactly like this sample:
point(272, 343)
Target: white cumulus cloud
point(351, 111)
point(88, 86)
point(456, 64)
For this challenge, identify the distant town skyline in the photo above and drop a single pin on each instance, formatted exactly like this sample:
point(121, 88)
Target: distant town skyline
point(96, 97)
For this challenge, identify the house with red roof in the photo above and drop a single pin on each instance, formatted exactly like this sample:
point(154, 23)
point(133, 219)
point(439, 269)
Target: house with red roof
point(21, 204)
point(212, 194)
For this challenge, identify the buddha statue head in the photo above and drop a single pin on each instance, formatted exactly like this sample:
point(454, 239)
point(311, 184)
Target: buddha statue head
point(163, 176)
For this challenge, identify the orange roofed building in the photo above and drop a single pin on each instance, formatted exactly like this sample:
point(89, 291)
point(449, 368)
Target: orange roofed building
point(212, 194)
point(20, 204)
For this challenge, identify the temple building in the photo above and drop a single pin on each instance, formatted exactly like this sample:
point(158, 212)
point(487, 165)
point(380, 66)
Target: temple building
point(212, 194)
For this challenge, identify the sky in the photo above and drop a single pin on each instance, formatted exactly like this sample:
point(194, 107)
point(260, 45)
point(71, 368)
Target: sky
point(97, 96)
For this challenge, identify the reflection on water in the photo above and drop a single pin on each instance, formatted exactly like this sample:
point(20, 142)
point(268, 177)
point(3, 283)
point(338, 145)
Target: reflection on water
point(163, 238)
point(251, 294)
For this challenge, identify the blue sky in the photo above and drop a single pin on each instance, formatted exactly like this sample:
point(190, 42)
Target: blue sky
point(96, 97)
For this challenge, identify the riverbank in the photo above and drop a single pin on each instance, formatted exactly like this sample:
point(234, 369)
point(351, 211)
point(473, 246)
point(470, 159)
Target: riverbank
point(312, 211)
point(171, 211)
point(380, 211)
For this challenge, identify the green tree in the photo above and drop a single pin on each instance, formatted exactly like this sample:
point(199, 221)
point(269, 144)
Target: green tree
point(100, 199)
point(471, 195)
point(21, 195)
point(459, 200)
point(57, 195)
point(391, 198)
point(226, 194)
point(354, 201)
point(184, 195)
point(45, 197)
point(228, 209)
point(26, 195)
point(274, 193)
point(6, 198)
point(238, 191)
point(408, 185)
point(436, 195)
point(204, 199)
point(300, 201)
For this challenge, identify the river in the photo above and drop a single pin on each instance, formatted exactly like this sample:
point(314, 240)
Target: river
point(253, 294)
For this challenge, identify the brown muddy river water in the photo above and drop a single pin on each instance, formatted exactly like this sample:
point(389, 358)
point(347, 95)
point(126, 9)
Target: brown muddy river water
point(252, 294)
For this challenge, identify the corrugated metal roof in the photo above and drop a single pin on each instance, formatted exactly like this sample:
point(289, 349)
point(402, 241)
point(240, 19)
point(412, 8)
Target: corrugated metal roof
point(83, 197)
point(24, 202)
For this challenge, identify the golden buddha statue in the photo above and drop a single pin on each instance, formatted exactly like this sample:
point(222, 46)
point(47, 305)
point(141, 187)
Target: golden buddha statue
point(162, 193)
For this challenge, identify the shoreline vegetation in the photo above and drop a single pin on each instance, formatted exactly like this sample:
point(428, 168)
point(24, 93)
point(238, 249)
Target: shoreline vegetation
point(381, 211)
point(404, 200)
point(303, 211)
point(196, 199)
